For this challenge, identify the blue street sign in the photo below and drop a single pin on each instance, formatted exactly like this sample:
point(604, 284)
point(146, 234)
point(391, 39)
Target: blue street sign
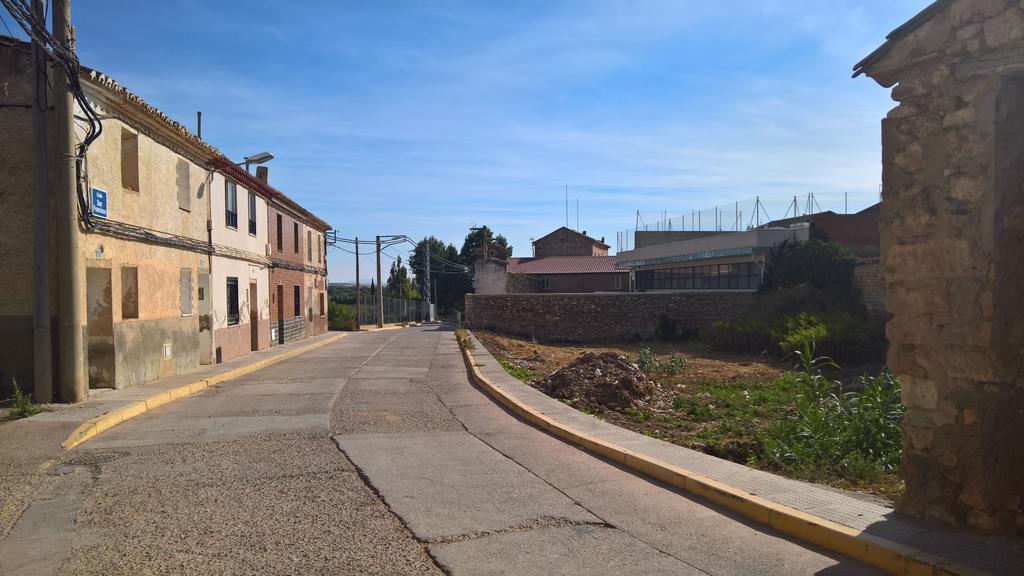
point(99, 203)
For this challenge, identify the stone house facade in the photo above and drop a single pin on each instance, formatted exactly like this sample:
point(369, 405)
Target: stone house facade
point(155, 253)
point(952, 235)
point(568, 242)
point(298, 273)
point(141, 255)
point(239, 290)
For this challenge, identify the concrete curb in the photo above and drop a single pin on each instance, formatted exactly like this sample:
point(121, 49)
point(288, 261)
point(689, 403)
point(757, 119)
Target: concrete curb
point(99, 424)
point(888, 555)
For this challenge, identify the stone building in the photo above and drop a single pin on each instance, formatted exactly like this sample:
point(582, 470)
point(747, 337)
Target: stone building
point(568, 242)
point(141, 254)
point(239, 290)
point(952, 235)
point(168, 276)
point(298, 273)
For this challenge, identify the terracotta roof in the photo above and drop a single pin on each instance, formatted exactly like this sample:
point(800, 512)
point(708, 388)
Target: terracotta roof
point(564, 265)
point(595, 241)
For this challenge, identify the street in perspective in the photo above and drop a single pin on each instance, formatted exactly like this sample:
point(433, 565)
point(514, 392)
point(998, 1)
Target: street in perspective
point(529, 288)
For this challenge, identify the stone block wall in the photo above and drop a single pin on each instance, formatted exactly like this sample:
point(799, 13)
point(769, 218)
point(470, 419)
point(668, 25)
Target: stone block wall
point(869, 277)
point(952, 234)
point(602, 317)
point(566, 242)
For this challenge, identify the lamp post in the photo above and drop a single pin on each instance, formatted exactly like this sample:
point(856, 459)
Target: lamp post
point(260, 158)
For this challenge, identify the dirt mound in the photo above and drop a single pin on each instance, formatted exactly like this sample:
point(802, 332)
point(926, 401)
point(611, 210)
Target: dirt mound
point(599, 380)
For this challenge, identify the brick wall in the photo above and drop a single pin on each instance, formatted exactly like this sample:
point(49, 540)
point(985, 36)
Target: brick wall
point(601, 317)
point(288, 279)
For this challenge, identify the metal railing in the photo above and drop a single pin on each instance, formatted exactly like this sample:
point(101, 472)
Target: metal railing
point(396, 310)
point(744, 214)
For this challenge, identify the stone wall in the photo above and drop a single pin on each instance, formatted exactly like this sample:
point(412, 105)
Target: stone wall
point(566, 242)
point(602, 317)
point(952, 238)
point(869, 278)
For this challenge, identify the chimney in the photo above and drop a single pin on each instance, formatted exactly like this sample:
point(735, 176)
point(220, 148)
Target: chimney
point(263, 174)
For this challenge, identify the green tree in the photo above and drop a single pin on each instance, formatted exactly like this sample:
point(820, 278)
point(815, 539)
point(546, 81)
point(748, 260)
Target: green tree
point(399, 285)
point(447, 277)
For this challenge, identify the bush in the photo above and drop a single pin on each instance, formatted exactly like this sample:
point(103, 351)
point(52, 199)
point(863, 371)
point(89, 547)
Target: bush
point(823, 265)
point(21, 403)
point(341, 317)
point(853, 435)
point(788, 319)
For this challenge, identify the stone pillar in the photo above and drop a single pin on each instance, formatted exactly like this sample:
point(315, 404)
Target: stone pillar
point(952, 233)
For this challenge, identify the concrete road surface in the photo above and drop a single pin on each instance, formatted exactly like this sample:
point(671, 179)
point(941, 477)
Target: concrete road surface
point(372, 455)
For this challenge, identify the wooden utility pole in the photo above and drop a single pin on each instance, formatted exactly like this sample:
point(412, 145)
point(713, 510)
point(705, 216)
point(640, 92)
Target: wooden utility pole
point(358, 310)
point(41, 334)
point(71, 306)
point(380, 291)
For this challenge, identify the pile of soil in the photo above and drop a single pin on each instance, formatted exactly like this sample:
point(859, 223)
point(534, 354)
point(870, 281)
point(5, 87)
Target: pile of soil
point(599, 380)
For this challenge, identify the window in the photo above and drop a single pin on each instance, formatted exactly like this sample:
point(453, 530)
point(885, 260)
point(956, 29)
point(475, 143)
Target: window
point(185, 291)
point(252, 213)
point(740, 276)
point(319, 248)
point(232, 301)
point(230, 204)
point(184, 184)
point(295, 233)
point(129, 160)
point(298, 303)
point(280, 235)
point(129, 292)
point(309, 245)
point(321, 304)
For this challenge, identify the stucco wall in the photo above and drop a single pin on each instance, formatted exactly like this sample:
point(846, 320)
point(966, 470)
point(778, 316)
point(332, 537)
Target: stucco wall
point(602, 317)
point(246, 273)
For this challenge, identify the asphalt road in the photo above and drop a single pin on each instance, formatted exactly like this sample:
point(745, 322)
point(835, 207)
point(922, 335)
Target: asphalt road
point(372, 455)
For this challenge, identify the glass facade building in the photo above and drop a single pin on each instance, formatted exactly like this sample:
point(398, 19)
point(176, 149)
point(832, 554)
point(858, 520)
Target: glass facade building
point(739, 276)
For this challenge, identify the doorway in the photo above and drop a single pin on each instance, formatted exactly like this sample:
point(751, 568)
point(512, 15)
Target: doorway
point(254, 318)
point(100, 326)
point(280, 313)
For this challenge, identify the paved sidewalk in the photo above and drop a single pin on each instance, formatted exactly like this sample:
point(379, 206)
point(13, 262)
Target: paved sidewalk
point(29, 447)
point(995, 555)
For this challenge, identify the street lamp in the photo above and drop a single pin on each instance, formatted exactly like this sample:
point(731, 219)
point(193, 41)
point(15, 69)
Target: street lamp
point(260, 158)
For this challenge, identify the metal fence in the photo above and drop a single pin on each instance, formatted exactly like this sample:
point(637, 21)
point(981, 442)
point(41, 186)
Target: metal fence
point(744, 214)
point(396, 310)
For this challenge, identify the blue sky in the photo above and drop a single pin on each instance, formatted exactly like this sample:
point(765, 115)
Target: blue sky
point(428, 117)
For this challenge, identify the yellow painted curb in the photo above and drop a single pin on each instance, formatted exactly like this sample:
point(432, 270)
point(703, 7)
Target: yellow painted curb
point(888, 555)
point(105, 422)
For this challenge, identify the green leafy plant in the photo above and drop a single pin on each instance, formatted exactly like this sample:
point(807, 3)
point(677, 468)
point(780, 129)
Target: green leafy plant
point(850, 434)
point(672, 365)
point(21, 403)
point(646, 360)
point(521, 373)
point(341, 316)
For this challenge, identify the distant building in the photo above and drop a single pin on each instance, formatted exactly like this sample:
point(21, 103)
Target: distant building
point(567, 274)
point(567, 242)
point(564, 261)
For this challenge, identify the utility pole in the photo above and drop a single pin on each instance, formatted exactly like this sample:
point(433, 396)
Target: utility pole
point(426, 285)
point(380, 291)
point(73, 384)
point(358, 309)
point(41, 343)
